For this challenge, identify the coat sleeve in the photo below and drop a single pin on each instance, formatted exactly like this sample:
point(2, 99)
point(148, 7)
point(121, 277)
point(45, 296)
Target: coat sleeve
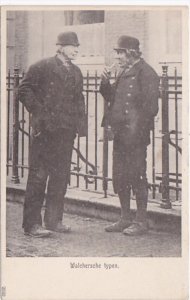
point(83, 119)
point(150, 93)
point(107, 90)
point(27, 89)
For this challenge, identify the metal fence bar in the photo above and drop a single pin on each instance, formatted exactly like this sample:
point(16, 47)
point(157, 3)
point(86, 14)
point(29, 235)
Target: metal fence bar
point(8, 117)
point(176, 136)
point(165, 140)
point(15, 176)
point(105, 154)
point(22, 141)
point(78, 147)
point(96, 129)
point(153, 163)
point(87, 112)
point(29, 141)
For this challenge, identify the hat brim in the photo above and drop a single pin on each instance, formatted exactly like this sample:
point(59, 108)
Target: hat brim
point(76, 45)
point(117, 48)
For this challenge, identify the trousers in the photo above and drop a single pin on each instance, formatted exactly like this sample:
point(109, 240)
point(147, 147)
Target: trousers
point(129, 172)
point(49, 168)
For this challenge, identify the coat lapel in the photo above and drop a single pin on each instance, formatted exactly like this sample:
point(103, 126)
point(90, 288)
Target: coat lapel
point(134, 70)
point(130, 72)
point(59, 69)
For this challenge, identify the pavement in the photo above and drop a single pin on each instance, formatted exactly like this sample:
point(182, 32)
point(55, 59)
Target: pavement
point(87, 239)
point(93, 204)
point(88, 213)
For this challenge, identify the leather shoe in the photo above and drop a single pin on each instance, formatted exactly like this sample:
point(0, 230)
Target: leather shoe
point(62, 228)
point(118, 226)
point(137, 228)
point(37, 231)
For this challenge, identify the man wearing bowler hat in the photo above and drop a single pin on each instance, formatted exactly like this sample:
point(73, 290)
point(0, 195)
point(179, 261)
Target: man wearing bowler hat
point(51, 91)
point(133, 104)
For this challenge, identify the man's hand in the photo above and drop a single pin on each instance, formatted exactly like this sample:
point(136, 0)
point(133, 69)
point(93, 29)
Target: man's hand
point(106, 74)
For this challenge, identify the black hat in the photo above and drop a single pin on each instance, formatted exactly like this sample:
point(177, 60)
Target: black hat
point(67, 38)
point(127, 42)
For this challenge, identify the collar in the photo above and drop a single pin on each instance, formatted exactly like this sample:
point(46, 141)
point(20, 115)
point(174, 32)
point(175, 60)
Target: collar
point(65, 62)
point(136, 62)
point(135, 67)
point(130, 71)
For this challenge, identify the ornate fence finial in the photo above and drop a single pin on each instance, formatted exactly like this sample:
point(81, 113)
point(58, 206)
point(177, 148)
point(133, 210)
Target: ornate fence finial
point(164, 70)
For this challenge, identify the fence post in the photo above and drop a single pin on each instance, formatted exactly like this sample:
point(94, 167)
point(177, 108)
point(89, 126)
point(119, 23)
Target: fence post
point(8, 119)
point(105, 154)
point(15, 177)
point(165, 140)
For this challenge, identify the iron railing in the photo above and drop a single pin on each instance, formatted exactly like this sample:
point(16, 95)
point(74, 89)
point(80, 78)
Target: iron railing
point(92, 161)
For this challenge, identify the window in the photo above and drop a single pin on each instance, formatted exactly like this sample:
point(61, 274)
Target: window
point(84, 17)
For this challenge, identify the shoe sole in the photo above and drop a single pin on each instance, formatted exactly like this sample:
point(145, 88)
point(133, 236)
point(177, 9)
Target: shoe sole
point(119, 230)
point(37, 236)
point(136, 233)
point(59, 231)
point(116, 231)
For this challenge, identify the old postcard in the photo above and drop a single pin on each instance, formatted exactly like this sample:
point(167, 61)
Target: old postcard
point(94, 152)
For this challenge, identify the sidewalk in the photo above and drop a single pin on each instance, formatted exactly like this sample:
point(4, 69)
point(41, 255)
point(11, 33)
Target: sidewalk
point(86, 239)
point(93, 204)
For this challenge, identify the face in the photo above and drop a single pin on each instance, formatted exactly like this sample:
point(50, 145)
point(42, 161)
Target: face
point(70, 51)
point(123, 58)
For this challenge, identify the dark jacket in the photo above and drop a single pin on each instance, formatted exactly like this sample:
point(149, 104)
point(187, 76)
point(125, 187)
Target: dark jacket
point(53, 96)
point(133, 100)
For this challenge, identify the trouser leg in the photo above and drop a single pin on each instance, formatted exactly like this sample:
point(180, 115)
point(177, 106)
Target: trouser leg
point(121, 183)
point(140, 183)
point(137, 165)
point(36, 184)
point(58, 177)
point(124, 197)
point(121, 188)
point(141, 200)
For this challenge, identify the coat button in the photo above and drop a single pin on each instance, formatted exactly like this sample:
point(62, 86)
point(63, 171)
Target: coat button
point(126, 111)
point(127, 103)
point(133, 78)
point(127, 126)
point(129, 95)
point(131, 86)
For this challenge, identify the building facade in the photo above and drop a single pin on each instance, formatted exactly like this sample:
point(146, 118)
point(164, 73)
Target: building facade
point(31, 35)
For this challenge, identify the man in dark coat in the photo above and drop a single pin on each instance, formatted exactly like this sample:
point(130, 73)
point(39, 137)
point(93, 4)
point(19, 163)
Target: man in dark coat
point(133, 104)
point(52, 93)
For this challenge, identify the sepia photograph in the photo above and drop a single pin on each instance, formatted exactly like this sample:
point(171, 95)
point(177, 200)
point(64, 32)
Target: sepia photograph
point(95, 163)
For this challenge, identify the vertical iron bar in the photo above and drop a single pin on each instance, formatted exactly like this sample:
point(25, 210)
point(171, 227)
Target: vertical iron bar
point(29, 139)
point(176, 136)
point(23, 140)
point(15, 176)
point(8, 117)
point(22, 152)
point(105, 154)
point(87, 98)
point(78, 147)
point(165, 140)
point(153, 162)
point(96, 126)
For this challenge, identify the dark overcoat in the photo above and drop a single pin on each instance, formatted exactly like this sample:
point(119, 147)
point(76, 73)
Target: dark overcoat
point(53, 96)
point(133, 100)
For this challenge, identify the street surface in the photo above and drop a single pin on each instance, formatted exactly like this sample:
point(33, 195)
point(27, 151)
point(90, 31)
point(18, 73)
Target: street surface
point(87, 239)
